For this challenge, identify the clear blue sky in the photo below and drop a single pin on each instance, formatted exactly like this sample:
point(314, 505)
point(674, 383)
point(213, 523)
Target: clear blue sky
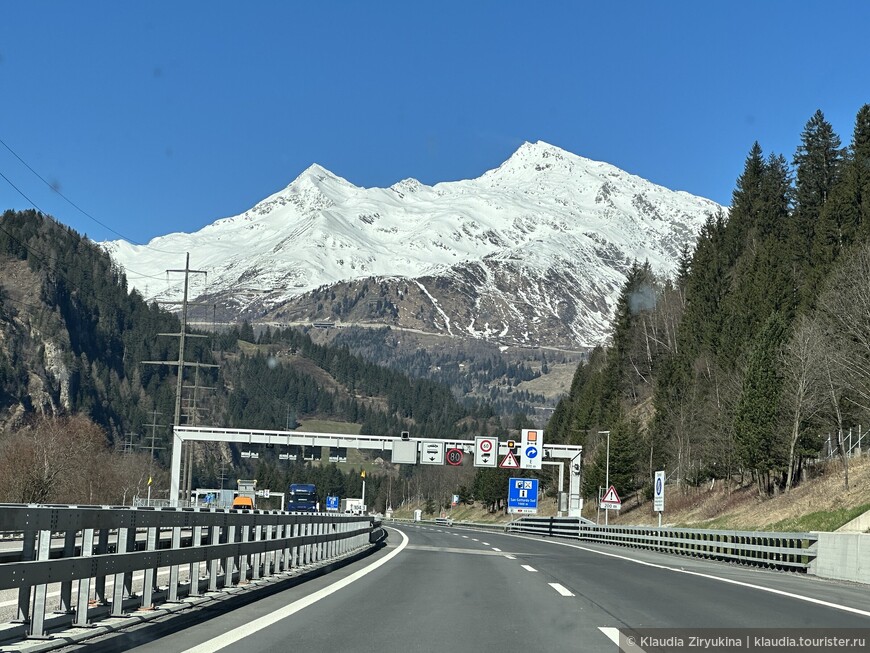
point(165, 116)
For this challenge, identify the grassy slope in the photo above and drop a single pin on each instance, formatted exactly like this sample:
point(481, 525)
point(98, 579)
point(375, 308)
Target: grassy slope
point(820, 504)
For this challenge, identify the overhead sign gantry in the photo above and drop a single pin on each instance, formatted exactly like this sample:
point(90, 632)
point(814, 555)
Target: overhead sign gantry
point(404, 450)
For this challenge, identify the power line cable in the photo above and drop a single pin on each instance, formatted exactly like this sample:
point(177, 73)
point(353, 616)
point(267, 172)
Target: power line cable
point(36, 206)
point(54, 188)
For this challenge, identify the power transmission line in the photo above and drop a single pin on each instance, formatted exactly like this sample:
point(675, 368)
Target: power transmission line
point(188, 449)
point(153, 426)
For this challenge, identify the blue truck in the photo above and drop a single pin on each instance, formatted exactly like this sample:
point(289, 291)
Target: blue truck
point(302, 497)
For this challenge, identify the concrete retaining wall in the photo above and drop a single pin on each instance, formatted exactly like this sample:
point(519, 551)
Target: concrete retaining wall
point(861, 524)
point(844, 556)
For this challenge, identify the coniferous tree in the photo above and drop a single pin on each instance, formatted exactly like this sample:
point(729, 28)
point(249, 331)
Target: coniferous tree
point(819, 162)
point(760, 442)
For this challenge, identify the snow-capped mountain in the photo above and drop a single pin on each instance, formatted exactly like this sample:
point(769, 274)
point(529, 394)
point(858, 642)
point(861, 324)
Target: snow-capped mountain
point(533, 252)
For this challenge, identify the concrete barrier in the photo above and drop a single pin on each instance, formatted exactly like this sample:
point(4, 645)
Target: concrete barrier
point(861, 524)
point(844, 556)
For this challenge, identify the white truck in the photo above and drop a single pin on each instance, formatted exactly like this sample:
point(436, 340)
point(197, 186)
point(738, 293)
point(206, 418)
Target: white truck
point(353, 507)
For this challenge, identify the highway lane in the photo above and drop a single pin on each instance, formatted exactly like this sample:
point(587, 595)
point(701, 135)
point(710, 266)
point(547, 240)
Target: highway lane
point(452, 588)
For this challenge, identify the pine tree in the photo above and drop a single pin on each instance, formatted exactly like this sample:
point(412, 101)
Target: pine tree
point(819, 163)
point(760, 443)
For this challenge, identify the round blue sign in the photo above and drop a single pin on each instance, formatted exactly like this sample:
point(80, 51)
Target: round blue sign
point(658, 486)
point(531, 452)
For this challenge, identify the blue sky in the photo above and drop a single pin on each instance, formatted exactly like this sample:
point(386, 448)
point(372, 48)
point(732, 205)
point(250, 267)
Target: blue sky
point(157, 117)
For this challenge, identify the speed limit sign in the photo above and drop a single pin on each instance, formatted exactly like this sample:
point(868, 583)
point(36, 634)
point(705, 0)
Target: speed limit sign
point(485, 451)
point(454, 457)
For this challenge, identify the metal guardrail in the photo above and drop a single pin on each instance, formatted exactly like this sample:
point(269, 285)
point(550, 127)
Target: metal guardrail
point(786, 551)
point(100, 542)
point(492, 526)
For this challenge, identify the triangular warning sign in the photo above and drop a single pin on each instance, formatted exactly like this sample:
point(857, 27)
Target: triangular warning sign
point(611, 496)
point(510, 461)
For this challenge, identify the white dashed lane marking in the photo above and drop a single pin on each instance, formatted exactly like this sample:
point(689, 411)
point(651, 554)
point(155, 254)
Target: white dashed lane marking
point(561, 589)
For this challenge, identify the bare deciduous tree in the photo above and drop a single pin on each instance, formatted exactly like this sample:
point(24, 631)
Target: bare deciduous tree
point(804, 366)
point(67, 460)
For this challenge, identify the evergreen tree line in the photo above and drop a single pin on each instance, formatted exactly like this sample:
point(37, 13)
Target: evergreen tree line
point(739, 366)
point(455, 366)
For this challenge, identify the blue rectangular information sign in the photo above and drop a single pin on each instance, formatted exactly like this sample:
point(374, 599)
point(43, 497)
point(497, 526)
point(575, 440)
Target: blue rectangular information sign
point(523, 495)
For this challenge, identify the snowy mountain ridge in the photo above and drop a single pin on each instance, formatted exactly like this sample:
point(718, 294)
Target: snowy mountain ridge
point(532, 252)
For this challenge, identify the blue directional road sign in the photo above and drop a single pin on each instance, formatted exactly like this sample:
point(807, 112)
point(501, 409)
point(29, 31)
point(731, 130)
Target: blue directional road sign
point(523, 496)
point(332, 503)
point(533, 441)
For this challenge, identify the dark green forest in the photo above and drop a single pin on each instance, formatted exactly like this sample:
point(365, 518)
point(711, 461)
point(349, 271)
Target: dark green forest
point(740, 366)
point(469, 368)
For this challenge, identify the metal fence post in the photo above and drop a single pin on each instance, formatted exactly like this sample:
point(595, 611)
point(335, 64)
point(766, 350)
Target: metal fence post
point(243, 559)
point(214, 561)
point(294, 550)
point(27, 552)
point(120, 579)
point(37, 623)
point(255, 566)
point(149, 575)
point(100, 583)
point(69, 550)
point(229, 564)
point(174, 570)
point(84, 594)
point(194, 566)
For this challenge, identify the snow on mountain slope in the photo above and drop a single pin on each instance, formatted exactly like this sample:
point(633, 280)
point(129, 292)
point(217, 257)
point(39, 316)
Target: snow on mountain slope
point(545, 238)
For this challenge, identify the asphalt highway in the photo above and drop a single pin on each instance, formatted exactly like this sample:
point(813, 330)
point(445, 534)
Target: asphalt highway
point(455, 589)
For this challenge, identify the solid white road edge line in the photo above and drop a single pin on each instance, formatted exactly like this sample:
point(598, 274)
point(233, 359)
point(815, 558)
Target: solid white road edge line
point(799, 597)
point(240, 633)
point(564, 591)
point(528, 568)
point(613, 635)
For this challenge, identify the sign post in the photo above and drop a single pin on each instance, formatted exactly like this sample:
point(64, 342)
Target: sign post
point(611, 500)
point(523, 496)
point(659, 495)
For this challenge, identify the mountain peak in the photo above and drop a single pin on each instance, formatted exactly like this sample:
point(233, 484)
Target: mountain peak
point(533, 159)
point(539, 149)
point(314, 172)
point(547, 229)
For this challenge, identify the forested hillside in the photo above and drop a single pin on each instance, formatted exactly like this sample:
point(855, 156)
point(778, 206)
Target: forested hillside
point(740, 366)
point(75, 343)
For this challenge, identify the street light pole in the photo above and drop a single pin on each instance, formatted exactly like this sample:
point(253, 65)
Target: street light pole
point(606, 473)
